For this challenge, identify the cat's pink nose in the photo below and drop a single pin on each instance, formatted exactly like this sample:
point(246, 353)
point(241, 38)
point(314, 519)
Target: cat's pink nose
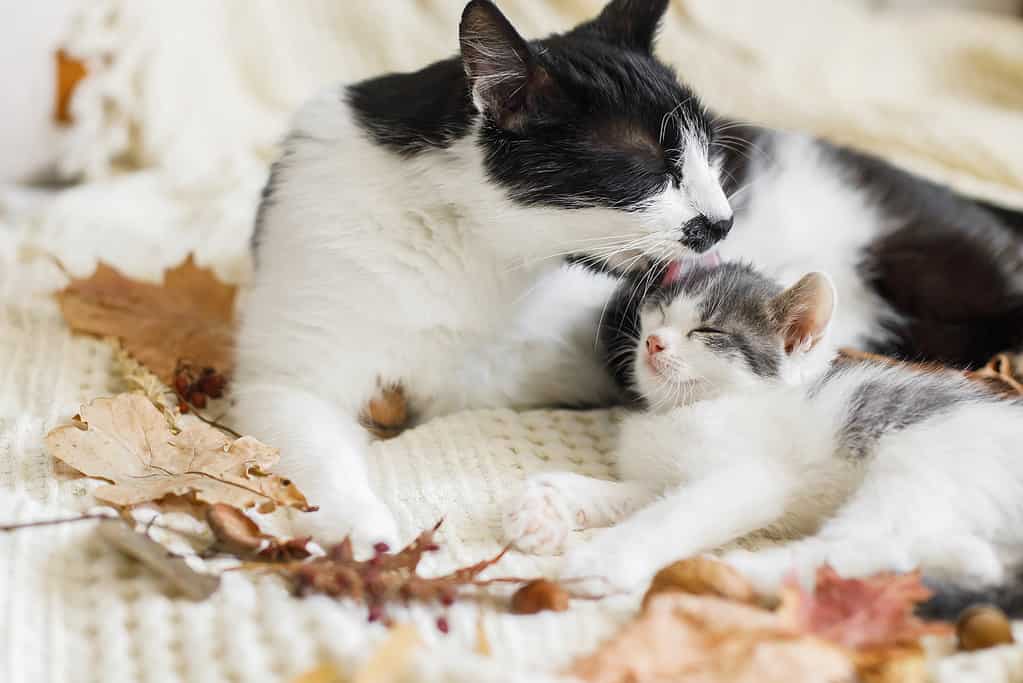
point(654, 345)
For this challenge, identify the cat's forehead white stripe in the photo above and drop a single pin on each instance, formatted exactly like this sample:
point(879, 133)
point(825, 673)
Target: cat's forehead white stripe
point(701, 182)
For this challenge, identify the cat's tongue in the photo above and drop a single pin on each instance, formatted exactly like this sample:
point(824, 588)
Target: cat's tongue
point(675, 269)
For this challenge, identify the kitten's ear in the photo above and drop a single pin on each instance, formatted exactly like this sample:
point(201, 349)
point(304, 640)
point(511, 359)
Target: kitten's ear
point(630, 23)
point(503, 74)
point(804, 310)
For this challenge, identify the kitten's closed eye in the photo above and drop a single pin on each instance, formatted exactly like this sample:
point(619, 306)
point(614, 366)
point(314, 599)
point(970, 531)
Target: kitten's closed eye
point(707, 330)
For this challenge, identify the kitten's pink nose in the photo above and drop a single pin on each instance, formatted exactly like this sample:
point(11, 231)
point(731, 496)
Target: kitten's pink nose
point(654, 345)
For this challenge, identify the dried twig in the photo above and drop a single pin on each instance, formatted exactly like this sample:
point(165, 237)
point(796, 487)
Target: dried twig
point(54, 522)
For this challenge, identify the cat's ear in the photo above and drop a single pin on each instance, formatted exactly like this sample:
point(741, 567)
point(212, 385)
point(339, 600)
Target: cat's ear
point(629, 23)
point(803, 311)
point(504, 77)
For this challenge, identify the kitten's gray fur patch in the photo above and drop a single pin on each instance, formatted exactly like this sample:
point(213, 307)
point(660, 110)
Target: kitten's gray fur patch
point(735, 298)
point(895, 399)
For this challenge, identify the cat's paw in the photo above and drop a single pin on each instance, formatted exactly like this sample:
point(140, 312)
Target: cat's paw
point(368, 525)
point(537, 520)
point(604, 565)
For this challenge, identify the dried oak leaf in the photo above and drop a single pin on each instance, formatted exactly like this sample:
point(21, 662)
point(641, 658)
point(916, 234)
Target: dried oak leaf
point(863, 613)
point(709, 639)
point(125, 440)
point(189, 317)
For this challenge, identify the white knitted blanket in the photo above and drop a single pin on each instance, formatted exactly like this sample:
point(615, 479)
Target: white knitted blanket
point(189, 97)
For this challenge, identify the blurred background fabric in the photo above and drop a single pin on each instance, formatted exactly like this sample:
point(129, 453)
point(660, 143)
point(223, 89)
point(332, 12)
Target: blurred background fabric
point(177, 120)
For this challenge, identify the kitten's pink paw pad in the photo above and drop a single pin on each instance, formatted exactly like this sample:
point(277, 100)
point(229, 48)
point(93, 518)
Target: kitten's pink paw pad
point(537, 520)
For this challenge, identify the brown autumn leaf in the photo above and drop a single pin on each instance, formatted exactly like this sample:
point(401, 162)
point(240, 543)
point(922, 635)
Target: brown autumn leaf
point(892, 664)
point(863, 613)
point(709, 639)
point(126, 441)
point(1002, 374)
point(701, 576)
point(189, 317)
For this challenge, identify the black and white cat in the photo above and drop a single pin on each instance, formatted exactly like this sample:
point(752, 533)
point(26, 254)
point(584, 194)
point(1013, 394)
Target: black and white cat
point(751, 427)
point(416, 227)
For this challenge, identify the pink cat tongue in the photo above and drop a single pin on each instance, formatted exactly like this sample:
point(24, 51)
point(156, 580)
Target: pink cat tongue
point(675, 269)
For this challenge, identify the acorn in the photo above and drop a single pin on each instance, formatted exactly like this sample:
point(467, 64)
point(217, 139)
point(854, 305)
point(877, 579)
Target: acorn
point(540, 595)
point(701, 576)
point(983, 626)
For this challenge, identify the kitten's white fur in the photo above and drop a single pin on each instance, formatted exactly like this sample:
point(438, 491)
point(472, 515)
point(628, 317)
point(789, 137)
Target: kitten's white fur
point(376, 268)
point(760, 456)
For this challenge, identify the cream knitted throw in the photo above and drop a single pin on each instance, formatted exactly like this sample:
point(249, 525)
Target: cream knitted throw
point(188, 97)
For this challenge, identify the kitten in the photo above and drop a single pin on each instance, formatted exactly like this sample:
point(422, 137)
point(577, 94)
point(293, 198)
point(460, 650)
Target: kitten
point(751, 424)
point(415, 228)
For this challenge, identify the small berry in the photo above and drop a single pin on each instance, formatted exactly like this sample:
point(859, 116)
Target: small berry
point(376, 613)
point(381, 548)
point(182, 407)
point(442, 625)
point(431, 548)
point(212, 385)
point(198, 399)
point(181, 384)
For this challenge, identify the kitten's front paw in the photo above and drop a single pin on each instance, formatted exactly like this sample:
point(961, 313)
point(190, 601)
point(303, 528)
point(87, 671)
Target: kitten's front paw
point(367, 524)
point(537, 520)
point(600, 567)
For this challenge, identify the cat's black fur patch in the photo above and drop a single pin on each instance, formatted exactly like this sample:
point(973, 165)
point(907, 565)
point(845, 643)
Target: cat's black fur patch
point(950, 267)
point(581, 151)
point(597, 134)
point(411, 112)
point(950, 599)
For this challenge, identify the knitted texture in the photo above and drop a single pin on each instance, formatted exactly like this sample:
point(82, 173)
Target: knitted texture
point(191, 96)
point(73, 609)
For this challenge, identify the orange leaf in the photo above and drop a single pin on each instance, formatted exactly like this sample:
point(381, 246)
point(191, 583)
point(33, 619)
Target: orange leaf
point(189, 317)
point(860, 613)
point(708, 639)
